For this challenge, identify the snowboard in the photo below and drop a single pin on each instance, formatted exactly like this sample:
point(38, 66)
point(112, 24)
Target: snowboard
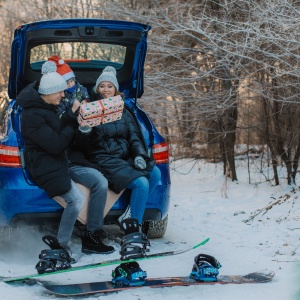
point(24, 278)
point(83, 289)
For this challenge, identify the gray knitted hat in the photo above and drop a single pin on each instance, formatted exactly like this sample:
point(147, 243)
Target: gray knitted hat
point(108, 74)
point(51, 82)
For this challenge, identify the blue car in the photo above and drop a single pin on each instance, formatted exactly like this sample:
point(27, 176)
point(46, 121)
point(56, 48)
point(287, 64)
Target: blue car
point(88, 46)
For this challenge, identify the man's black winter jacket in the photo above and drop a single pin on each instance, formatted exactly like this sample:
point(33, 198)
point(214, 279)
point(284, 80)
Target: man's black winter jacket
point(46, 140)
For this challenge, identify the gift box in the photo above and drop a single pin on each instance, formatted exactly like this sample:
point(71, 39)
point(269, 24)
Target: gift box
point(101, 111)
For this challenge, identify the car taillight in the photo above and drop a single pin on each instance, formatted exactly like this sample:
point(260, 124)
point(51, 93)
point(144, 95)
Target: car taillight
point(10, 156)
point(161, 153)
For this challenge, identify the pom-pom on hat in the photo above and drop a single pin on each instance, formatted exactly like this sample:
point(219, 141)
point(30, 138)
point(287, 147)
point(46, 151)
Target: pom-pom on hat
point(108, 74)
point(51, 82)
point(62, 67)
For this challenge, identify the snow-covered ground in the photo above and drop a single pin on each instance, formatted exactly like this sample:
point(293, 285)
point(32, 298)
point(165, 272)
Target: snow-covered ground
point(252, 227)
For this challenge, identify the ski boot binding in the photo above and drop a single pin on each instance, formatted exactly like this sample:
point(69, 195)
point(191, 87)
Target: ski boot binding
point(205, 268)
point(128, 274)
point(58, 258)
point(134, 244)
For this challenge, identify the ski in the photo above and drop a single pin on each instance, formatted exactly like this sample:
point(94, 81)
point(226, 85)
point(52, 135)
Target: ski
point(100, 264)
point(84, 289)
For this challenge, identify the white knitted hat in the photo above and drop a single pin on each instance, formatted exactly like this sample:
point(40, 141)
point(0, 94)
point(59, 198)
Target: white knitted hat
point(51, 82)
point(108, 74)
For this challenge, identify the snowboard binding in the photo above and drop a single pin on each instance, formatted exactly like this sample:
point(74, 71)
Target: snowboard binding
point(128, 274)
point(134, 244)
point(58, 258)
point(205, 268)
point(53, 260)
point(129, 225)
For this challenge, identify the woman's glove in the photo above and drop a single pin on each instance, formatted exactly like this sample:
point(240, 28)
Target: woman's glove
point(139, 163)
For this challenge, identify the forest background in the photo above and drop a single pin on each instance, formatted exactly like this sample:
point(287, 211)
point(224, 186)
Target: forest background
point(222, 77)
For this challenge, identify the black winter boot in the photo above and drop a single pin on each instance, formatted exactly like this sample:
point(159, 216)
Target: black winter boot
point(92, 243)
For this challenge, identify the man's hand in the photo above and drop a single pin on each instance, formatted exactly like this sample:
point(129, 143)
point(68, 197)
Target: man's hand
point(75, 106)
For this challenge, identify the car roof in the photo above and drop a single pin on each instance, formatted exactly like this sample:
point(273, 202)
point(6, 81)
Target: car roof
point(131, 36)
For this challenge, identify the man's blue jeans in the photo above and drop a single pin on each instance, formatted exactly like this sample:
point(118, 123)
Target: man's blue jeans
point(142, 187)
point(98, 185)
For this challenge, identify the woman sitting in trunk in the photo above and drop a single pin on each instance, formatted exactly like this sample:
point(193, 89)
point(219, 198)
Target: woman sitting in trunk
point(119, 153)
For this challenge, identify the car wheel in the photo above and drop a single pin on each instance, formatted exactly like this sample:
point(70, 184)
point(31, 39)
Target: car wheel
point(156, 229)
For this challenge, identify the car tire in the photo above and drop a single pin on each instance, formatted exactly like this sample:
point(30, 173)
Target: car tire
point(156, 229)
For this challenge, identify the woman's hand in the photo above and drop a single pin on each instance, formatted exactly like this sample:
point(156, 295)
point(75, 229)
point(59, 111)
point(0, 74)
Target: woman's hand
point(139, 163)
point(85, 129)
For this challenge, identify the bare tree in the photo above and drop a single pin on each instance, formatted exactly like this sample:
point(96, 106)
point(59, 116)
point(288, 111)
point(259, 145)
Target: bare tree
point(210, 47)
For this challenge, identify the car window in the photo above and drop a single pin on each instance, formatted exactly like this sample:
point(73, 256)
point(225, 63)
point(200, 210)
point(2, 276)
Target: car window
point(85, 54)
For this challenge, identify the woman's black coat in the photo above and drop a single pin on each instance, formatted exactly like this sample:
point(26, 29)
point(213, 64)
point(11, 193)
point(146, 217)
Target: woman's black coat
point(46, 140)
point(112, 147)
